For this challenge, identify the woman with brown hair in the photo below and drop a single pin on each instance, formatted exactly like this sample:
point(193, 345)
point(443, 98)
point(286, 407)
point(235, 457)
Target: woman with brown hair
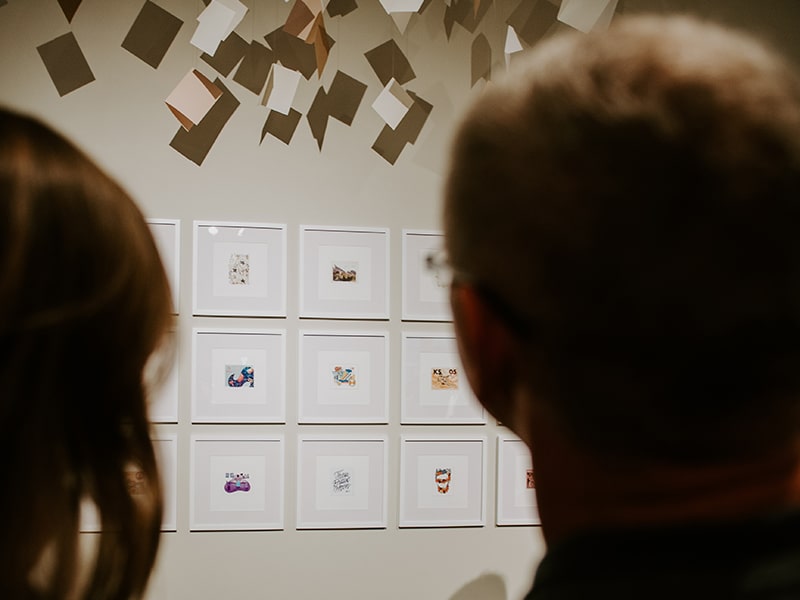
point(84, 302)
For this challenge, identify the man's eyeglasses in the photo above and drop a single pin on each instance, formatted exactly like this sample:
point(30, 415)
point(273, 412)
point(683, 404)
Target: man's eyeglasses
point(439, 266)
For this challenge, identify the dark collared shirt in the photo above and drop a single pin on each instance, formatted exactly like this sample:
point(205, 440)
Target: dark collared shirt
point(752, 560)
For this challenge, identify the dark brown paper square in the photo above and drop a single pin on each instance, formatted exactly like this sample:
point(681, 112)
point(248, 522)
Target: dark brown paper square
point(229, 52)
point(299, 17)
point(292, 52)
point(253, 71)
point(151, 34)
point(481, 59)
point(531, 20)
point(65, 63)
point(318, 116)
point(344, 97)
point(281, 126)
point(340, 8)
point(387, 60)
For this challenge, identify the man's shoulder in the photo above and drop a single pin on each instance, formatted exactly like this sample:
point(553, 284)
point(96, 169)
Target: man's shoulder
point(754, 560)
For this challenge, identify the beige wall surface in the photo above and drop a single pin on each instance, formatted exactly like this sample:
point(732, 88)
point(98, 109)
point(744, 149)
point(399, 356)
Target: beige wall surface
point(121, 120)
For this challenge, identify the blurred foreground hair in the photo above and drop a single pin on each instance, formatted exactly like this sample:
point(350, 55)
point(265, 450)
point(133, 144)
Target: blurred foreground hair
point(84, 302)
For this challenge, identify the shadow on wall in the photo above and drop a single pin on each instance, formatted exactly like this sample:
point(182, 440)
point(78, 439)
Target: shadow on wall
point(488, 586)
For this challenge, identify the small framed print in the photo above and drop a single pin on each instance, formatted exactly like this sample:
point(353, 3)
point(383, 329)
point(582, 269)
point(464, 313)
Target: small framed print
point(442, 482)
point(516, 483)
point(238, 376)
point(426, 293)
point(167, 235)
point(344, 273)
point(239, 269)
point(341, 482)
point(237, 483)
point(165, 446)
point(344, 377)
point(434, 389)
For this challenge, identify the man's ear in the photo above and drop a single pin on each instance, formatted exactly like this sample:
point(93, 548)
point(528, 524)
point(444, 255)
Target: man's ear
point(488, 350)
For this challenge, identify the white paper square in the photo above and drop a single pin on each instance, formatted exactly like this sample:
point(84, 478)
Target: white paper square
point(191, 98)
point(392, 103)
point(512, 44)
point(214, 24)
point(239, 11)
point(284, 88)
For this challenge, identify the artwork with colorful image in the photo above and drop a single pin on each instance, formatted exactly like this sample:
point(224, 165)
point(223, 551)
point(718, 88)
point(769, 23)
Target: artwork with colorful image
point(444, 379)
point(346, 272)
point(237, 482)
point(239, 269)
point(530, 482)
point(344, 376)
point(342, 484)
point(240, 376)
point(443, 478)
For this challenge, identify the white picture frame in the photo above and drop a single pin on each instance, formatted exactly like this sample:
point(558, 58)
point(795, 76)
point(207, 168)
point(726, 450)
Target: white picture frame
point(165, 446)
point(343, 377)
point(163, 393)
point(425, 297)
point(239, 269)
point(236, 483)
point(167, 236)
point(433, 387)
point(342, 482)
point(344, 272)
point(516, 485)
point(238, 375)
point(166, 449)
point(442, 482)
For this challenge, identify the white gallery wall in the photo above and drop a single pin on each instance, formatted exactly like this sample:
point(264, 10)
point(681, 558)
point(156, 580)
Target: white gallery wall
point(121, 120)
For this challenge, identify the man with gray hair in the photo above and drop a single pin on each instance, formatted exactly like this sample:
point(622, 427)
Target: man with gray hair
point(622, 221)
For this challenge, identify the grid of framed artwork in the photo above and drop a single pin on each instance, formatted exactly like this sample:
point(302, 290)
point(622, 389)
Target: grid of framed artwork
point(238, 376)
point(239, 269)
point(341, 482)
point(425, 290)
point(165, 446)
point(442, 482)
point(237, 482)
point(356, 378)
point(516, 483)
point(343, 377)
point(344, 272)
point(433, 388)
